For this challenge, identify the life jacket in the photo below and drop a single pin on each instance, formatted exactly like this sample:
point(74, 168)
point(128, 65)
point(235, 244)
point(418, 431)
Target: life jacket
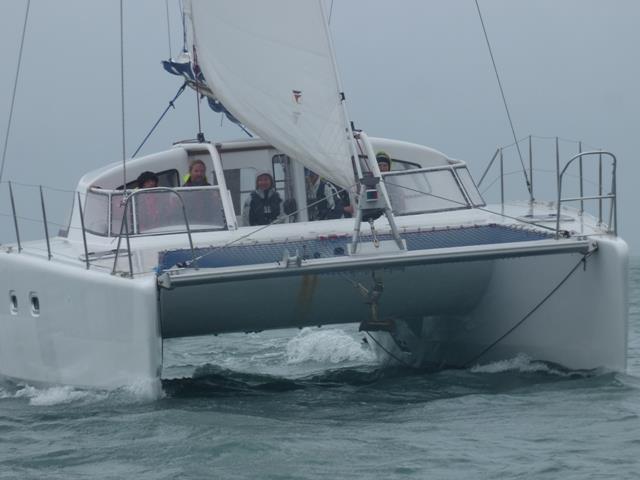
point(186, 181)
point(264, 207)
point(320, 209)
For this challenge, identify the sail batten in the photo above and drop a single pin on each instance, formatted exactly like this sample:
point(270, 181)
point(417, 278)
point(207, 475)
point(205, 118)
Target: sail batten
point(270, 63)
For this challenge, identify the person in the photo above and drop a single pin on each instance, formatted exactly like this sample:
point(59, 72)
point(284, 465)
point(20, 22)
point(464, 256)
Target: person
point(395, 191)
point(384, 161)
point(147, 180)
point(197, 175)
point(149, 209)
point(262, 207)
point(323, 200)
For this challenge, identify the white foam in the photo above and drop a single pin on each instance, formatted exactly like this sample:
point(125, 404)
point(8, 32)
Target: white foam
point(53, 395)
point(327, 346)
point(521, 363)
point(142, 391)
point(148, 390)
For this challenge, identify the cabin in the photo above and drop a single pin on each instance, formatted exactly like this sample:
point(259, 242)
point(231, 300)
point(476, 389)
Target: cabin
point(421, 180)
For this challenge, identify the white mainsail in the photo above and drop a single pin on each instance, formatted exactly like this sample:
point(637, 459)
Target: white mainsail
point(270, 63)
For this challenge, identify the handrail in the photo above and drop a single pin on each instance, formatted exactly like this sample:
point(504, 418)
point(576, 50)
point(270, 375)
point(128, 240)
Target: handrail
point(611, 195)
point(124, 226)
point(560, 170)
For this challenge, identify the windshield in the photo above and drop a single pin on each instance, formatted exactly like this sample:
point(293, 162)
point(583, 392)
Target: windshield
point(420, 191)
point(155, 211)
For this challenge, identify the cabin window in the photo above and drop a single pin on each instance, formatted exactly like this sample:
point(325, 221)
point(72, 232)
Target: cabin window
point(281, 166)
point(35, 304)
point(161, 211)
point(421, 191)
point(232, 180)
point(96, 212)
point(401, 165)
point(470, 187)
point(13, 302)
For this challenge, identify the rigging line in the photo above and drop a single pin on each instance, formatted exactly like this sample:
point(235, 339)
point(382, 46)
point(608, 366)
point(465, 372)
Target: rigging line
point(583, 260)
point(171, 105)
point(184, 27)
point(330, 12)
point(15, 88)
point(124, 153)
point(504, 100)
point(166, 4)
point(196, 72)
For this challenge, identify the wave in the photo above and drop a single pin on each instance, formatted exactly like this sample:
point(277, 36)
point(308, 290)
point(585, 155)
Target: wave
point(136, 392)
point(331, 346)
point(524, 364)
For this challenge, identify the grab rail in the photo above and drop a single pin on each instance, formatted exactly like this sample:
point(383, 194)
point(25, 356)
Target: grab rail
point(613, 215)
point(612, 225)
point(124, 226)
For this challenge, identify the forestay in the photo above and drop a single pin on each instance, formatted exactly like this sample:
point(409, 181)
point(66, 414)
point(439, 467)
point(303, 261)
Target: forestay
point(271, 64)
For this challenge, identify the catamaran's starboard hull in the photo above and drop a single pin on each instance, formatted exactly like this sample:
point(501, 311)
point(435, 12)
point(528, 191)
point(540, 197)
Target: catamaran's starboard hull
point(542, 307)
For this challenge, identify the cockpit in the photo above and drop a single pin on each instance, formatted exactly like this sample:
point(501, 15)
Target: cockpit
point(420, 180)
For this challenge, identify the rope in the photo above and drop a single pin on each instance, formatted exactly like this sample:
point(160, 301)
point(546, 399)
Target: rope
point(15, 88)
point(330, 12)
point(504, 100)
point(583, 260)
point(397, 359)
point(171, 105)
point(124, 154)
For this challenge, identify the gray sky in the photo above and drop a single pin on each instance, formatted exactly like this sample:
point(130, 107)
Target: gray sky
point(415, 70)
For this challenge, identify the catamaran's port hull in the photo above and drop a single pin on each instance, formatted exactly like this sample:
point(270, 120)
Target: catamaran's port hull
point(90, 329)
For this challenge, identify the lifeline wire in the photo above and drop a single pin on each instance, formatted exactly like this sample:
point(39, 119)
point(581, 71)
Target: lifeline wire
point(504, 100)
point(15, 87)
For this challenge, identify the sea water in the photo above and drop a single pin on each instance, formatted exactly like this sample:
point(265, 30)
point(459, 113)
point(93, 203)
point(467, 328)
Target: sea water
point(315, 403)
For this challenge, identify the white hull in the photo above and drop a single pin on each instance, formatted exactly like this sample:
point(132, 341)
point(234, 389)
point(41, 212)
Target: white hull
point(93, 329)
point(101, 330)
point(583, 325)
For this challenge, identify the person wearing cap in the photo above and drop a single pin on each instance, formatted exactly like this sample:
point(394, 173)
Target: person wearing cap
point(262, 207)
point(384, 161)
point(323, 200)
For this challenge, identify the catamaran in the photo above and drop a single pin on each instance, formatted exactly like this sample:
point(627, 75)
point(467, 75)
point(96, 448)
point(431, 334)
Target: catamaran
point(434, 275)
